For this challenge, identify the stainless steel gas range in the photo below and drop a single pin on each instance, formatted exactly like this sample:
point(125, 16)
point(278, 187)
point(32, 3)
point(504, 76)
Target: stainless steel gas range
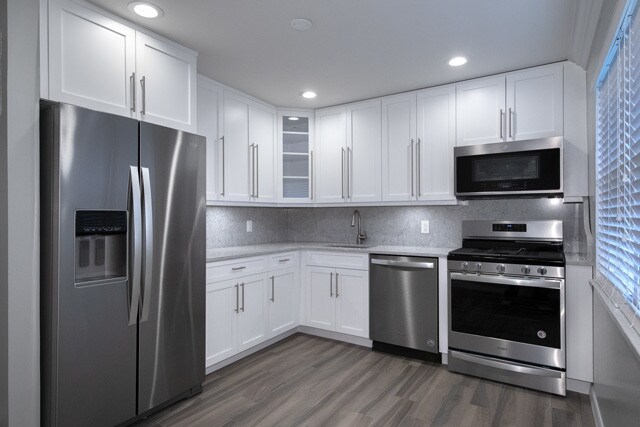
point(507, 303)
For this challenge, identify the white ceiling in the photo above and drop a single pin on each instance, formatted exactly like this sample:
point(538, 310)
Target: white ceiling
point(359, 49)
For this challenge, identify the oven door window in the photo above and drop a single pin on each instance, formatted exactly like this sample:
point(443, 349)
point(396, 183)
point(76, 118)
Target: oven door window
point(515, 313)
point(536, 170)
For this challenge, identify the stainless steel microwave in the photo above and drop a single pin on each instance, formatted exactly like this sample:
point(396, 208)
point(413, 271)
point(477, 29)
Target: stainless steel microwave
point(531, 168)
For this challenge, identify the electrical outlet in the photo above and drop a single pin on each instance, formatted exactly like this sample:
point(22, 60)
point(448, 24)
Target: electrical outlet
point(249, 226)
point(424, 227)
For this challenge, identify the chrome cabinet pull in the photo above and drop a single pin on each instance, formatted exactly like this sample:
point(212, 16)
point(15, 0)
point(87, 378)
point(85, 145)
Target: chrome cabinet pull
point(143, 85)
point(311, 174)
point(273, 289)
point(284, 260)
point(419, 167)
point(253, 169)
point(342, 172)
point(501, 126)
point(237, 310)
point(331, 285)
point(510, 122)
point(257, 148)
point(242, 308)
point(412, 172)
point(349, 160)
point(337, 288)
point(238, 268)
point(132, 83)
point(222, 140)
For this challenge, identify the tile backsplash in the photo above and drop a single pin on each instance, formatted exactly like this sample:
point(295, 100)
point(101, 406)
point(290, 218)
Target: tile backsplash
point(226, 226)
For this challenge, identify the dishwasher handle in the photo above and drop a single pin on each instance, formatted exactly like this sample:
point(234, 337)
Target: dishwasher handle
point(411, 264)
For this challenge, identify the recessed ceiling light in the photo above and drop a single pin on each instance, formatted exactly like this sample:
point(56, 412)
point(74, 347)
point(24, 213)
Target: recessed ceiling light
point(457, 61)
point(309, 94)
point(146, 10)
point(301, 24)
point(293, 118)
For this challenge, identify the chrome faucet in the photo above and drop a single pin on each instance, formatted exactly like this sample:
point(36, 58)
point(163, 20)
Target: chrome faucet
point(361, 235)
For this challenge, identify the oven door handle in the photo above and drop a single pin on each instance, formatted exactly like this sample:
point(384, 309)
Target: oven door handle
point(505, 366)
point(512, 281)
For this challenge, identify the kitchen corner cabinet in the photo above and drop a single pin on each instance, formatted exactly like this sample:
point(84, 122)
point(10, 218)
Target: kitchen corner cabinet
point(516, 106)
point(418, 141)
point(248, 148)
point(95, 60)
point(295, 157)
point(210, 119)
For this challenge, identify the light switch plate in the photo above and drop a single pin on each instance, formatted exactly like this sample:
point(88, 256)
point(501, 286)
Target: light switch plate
point(424, 227)
point(249, 226)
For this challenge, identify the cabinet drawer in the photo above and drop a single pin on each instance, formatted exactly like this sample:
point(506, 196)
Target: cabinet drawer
point(338, 260)
point(283, 260)
point(235, 268)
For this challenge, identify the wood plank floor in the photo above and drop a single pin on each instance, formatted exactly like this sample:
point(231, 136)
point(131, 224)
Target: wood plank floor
point(311, 381)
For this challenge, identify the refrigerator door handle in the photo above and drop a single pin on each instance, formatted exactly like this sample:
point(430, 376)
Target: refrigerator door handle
point(148, 243)
point(135, 209)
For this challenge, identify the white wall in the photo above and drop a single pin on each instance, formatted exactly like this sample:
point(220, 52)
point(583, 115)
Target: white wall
point(23, 218)
point(3, 217)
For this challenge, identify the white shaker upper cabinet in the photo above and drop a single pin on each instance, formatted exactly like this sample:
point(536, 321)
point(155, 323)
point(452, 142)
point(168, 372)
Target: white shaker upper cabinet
point(262, 137)
point(398, 147)
point(481, 111)
point(91, 59)
point(166, 84)
point(436, 139)
point(210, 108)
point(330, 160)
point(237, 161)
point(364, 151)
point(221, 340)
point(534, 103)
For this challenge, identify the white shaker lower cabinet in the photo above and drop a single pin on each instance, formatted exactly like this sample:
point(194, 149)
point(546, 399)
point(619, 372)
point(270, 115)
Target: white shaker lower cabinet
point(282, 301)
point(352, 302)
point(579, 323)
point(221, 321)
point(337, 299)
point(252, 316)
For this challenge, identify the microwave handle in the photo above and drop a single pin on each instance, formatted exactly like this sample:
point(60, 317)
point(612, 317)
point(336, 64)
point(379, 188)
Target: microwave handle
point(511, 281)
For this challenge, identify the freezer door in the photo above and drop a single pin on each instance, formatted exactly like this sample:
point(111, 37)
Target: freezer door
point(171, 329)
point(88, 343)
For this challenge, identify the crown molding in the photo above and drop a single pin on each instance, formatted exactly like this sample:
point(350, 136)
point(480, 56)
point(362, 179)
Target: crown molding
point(585, 22)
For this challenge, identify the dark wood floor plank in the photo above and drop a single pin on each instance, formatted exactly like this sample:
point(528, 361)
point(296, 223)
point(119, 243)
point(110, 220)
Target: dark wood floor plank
point(311, 381)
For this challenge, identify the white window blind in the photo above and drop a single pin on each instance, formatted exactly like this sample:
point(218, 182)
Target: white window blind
point(618, 164)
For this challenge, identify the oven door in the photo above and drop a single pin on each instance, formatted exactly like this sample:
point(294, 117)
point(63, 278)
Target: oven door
point(508, 317)
point(522, 168)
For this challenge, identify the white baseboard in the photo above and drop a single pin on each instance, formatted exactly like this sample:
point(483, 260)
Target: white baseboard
point(597, 416)
point(445, 358)
point(582, 387)
point(235, 358)
point(365, 342)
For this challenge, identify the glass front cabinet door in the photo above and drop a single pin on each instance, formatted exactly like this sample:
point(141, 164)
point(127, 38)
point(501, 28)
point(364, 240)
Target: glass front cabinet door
point(296, 157)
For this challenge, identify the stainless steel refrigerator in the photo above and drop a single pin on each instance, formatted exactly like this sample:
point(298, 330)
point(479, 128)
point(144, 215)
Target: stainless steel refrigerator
point(122, 266)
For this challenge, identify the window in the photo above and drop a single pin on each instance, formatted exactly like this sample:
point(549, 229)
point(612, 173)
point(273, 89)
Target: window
point(618, 163)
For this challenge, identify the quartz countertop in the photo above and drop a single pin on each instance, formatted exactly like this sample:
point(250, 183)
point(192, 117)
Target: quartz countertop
point(222, 254)
point(580, 258)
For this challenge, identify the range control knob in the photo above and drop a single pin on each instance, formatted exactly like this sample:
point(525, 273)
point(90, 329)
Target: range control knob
point(525, 269)
point(478, 266)
point(465, 265)
point(542, 271)
point(500, 268)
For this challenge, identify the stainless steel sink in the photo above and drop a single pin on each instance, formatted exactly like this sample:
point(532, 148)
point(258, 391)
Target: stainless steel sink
point(349, 245)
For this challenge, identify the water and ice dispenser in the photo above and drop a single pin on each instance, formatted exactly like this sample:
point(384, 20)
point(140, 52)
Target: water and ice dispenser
point(101, 245)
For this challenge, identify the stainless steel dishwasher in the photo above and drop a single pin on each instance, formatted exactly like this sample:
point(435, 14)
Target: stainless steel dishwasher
point(403, 303)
